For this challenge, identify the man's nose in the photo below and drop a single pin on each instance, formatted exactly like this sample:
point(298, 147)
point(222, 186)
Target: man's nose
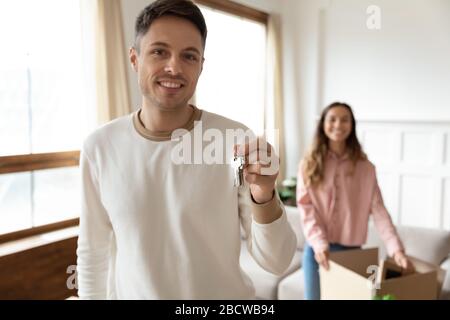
point(173, 66)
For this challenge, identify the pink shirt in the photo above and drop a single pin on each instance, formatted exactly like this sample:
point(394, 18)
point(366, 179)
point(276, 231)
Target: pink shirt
point(337, 211)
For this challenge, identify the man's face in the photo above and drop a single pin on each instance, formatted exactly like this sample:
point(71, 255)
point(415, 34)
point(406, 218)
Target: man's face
point(169, 63)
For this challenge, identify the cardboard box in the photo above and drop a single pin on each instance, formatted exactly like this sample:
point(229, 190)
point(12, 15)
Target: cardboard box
point(358, 275)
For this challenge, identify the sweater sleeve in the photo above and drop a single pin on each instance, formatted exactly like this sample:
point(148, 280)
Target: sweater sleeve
point(313, 228)
point(383, 222)
point(94, 238)
point(271, 245)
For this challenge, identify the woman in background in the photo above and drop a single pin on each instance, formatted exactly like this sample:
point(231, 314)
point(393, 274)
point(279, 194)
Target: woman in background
point(337, 191)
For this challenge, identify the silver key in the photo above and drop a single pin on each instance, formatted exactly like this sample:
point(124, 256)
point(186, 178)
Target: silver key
point(238, 165)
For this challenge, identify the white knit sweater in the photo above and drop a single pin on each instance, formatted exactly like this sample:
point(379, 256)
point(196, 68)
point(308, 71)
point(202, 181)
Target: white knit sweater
point(152, 229)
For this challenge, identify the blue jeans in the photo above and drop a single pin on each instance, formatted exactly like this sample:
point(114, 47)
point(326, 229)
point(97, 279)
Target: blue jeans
point(311, 270)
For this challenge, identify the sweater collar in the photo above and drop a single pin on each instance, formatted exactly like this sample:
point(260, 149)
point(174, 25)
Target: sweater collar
point(163, 135)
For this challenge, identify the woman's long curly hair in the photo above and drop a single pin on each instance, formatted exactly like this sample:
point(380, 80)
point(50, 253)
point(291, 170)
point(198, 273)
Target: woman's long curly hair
point(314, 162)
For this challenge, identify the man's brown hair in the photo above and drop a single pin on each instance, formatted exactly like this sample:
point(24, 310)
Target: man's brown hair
point(180, 8)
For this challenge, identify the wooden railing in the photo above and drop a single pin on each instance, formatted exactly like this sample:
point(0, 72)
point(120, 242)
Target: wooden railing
point(34, 162)
point(17, 235)
point(38, 161)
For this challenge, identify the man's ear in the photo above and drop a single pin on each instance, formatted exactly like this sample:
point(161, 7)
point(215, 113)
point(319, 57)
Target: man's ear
point(133, 58)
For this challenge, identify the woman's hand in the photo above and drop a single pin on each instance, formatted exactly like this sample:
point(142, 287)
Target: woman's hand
point(322, 258)
point(402, 261)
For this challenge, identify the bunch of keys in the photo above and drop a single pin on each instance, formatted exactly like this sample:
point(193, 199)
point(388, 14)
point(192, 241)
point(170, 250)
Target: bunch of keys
point(238, 165)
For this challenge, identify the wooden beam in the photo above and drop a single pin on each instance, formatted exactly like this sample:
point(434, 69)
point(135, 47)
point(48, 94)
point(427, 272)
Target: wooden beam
point(39, 161)
point(236, 9)
point(17, 235)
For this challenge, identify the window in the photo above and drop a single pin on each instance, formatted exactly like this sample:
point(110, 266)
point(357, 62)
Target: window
point(46, 103)
point(30, 199)
point(44, 108)
point(42, 101)
point(232, 83)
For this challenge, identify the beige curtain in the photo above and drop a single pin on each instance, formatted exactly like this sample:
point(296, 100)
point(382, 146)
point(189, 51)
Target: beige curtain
point(113, 95)
point(274, 106)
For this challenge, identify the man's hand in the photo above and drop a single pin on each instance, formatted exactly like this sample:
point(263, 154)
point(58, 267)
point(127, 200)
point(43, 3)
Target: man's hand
point(402, 261)
point(322, 258)
point(260, 169)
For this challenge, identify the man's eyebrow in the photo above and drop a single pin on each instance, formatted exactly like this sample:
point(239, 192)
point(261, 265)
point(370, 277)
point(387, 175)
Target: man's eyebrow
point(193, 49)
point(159, 43)
point(163, 44)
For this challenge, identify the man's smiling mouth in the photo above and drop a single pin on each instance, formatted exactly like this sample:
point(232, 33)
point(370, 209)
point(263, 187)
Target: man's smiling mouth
point(170, 85)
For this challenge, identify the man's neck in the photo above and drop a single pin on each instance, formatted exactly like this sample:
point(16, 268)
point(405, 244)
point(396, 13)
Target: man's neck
point(157, 120)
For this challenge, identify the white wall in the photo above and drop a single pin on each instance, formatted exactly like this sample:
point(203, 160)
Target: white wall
point(301, 54)
point(413, 169)
point(397, 79)
point(401, 71)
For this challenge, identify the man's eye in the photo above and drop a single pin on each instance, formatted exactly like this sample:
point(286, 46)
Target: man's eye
point(190, 57)
point(157, 52)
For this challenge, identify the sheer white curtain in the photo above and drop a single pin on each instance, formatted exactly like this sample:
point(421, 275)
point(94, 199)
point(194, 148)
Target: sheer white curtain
point(274, 92)
point(107, 58)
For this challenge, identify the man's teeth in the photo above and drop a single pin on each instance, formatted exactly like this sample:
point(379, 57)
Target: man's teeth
point(171, 85)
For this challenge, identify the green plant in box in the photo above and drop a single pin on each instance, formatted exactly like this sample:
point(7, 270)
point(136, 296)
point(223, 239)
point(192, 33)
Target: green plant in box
point(287, 191)
point(384, 297)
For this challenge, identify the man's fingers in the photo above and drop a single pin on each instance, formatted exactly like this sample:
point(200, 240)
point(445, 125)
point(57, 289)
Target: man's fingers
point(262, 157)
point(255, 145)
point(253, 178)
point(259, 153)
point(256, 168)
point(269, 169)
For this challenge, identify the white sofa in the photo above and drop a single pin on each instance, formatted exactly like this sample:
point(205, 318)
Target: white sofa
point(426, 244)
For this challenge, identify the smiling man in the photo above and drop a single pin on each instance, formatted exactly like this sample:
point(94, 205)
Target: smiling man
point(154, 229)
